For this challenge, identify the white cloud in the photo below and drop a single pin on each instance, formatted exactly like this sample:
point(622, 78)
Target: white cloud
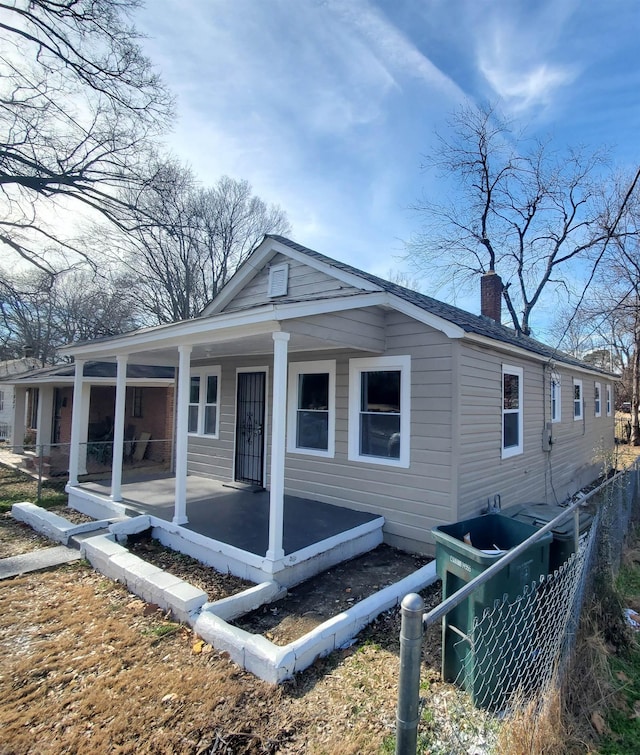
point(392, 47)
point(526, 88)
point(518, 53)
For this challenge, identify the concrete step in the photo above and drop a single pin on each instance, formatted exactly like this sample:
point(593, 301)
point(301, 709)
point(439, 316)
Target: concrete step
point(44, 558)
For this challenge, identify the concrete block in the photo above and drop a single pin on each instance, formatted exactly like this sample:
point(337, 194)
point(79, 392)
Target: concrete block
point(99, 550)
point(121, 565)
point(246, 601)
point(153, 590)
point(45, 522)
point(222, 636)
point(185, 600)
point(133, 526)
point(310, 647)
point(137, 575)
point(104, 544)
point(267, 660)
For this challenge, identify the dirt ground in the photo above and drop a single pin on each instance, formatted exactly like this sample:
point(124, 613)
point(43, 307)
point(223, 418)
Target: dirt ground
point(87, 667)
point(305, 606)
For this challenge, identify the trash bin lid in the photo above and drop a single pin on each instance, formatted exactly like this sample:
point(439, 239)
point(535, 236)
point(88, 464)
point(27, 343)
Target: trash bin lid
point(539, 514)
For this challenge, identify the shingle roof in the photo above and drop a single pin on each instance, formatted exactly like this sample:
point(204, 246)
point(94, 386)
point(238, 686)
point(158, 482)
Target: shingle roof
point(97, 370)
point(469, 322)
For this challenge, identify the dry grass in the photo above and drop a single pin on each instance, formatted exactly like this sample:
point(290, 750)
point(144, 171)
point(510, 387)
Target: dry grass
point(89, 668)
point(566, 720)
point(17, 538)
point(536, 729)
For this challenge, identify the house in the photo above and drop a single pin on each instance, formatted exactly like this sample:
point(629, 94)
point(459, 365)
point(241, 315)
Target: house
point(320, 382)
point(7, 399)
point(42, 414)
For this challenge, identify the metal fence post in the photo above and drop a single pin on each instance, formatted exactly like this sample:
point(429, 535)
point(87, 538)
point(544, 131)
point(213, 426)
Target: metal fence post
point(408, 713)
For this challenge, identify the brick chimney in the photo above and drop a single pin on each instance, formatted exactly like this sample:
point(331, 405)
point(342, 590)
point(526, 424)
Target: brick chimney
point(491, 296)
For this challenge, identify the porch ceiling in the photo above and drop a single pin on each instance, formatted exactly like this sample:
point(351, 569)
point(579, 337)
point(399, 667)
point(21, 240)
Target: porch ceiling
point(306, 335)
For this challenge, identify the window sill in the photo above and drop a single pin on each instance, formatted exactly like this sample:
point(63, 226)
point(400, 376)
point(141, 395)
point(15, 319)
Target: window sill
point(508, 453)
point(329, 454)
point(381, 460)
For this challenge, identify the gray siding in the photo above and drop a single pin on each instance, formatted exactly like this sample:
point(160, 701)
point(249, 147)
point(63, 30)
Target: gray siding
point(456, 429)
point(412, 500)
point(363, 329)
point(304, 283)
point(534, 475)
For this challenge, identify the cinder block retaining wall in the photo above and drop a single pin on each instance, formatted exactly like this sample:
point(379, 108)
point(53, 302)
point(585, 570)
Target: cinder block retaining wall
point(255, 653)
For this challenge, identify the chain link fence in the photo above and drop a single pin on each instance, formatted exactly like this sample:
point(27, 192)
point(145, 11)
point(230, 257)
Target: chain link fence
point(51, 461)
point(514, 650)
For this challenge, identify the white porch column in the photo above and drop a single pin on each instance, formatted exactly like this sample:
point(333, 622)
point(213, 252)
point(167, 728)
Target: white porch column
point(279, 422)
point(85, 406)
point(19, 426)
point(45, 420)
point(118, 428)
point(182, 428)
point(78, 412)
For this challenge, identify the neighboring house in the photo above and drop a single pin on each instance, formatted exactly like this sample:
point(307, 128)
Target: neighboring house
point(43, 413)
point(312, 378)
point(7, 397)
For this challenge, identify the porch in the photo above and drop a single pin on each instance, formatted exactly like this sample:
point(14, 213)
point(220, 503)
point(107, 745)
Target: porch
point(228, 525)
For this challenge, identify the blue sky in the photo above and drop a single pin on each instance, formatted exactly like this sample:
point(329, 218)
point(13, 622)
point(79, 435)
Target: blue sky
point(328, 106)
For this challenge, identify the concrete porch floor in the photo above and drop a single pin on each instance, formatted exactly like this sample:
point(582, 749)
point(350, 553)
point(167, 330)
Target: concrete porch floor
point(235, 514)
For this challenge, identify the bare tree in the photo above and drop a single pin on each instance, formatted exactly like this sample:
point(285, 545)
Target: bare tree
point(620, 276)
point(78, 105)
point(520, 209)
point(190, 240)
point(405, 279)
point(39, 311)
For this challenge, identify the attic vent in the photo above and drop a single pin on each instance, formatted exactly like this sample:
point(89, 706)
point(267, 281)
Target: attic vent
point(278, 280)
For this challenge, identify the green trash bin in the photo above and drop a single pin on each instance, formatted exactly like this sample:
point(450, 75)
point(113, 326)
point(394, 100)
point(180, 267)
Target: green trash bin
point(564, 537)
point(486, 672)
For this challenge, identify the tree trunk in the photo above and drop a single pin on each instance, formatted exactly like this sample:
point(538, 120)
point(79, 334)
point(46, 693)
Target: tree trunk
point(635, 386)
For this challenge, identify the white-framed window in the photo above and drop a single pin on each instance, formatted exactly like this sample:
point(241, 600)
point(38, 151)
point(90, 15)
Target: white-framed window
point(512, 414)
point(311, 418)
point(204, 390)
point(609, 400)
point(556, 397)
point(380, 410)
point(597, 399)
point(577, 399)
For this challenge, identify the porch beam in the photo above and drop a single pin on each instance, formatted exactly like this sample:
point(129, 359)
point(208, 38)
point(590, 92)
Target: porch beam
point(118, 428)
point(182, 438)
point(77, 412)
point(279, 420)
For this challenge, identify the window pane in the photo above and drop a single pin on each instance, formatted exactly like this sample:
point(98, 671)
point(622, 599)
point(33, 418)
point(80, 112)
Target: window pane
point(193, 419)
point(194, 389)
point(380, 391)
point(313, 391)
point(511, 385)
point(312, 430)
point(380, 435)
point(212, 389)
point(511, 435)
point(576, 392)
point(210, 413)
